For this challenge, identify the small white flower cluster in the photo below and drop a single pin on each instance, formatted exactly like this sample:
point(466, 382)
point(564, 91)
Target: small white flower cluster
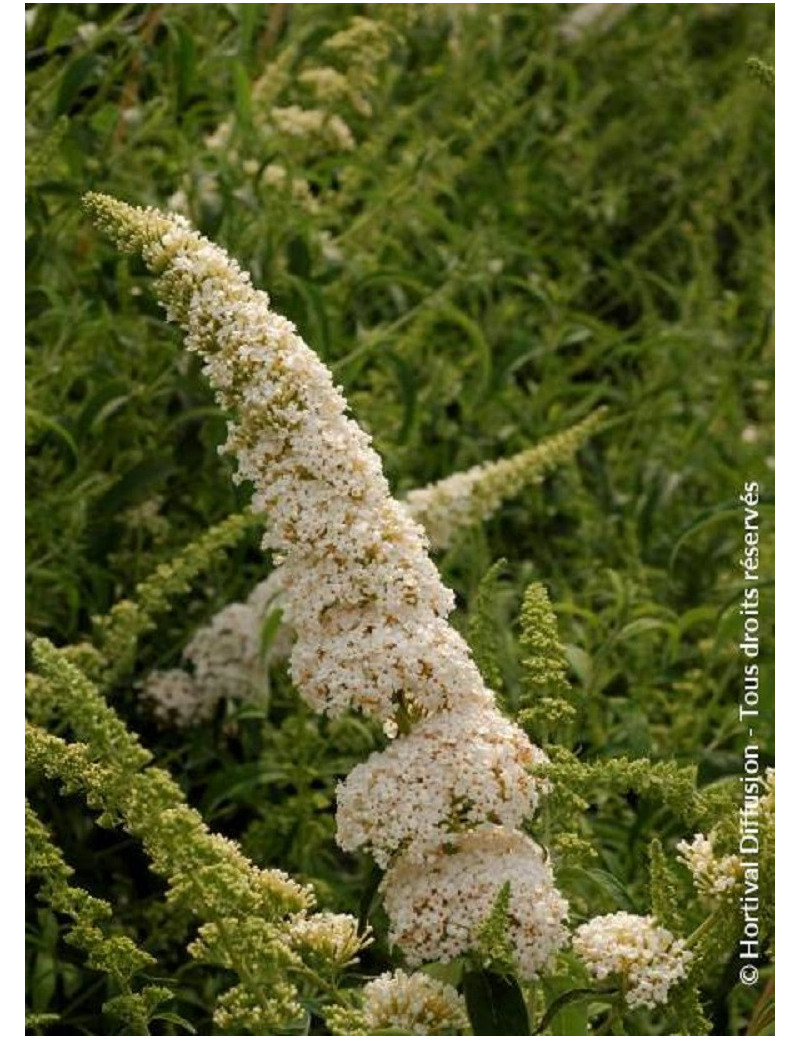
point(331, 939)
point(365, 600)
point(437, 908)
point(409, 1005)
point(647, 959)
point(173, 697)
point(713, 875)
point(716, 876)
point(225, 660)
point(224, 654)
point(456, 771)
point(331, 129)
point(331, 87)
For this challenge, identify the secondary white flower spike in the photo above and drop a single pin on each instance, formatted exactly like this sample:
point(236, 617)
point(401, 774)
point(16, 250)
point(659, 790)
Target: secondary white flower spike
point(365, 600)
point(647, 959)
point(227, 659)
point(463, 500)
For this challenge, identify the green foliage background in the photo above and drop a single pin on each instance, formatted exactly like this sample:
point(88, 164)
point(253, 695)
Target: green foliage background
point(530, 224)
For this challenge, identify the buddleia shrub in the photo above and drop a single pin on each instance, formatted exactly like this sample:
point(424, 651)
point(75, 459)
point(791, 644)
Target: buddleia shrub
point(480, 810)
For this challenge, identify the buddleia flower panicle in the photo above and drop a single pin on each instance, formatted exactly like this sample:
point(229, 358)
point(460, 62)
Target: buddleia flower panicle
point(368, 607)
point(116, 955)
point(248, 914)
point(225, 658)
point(257, 922)
point(544, 664)
point(644, 958)
point(365, 600)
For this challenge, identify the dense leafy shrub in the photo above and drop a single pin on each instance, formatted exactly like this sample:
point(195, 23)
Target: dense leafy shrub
point(495, 219)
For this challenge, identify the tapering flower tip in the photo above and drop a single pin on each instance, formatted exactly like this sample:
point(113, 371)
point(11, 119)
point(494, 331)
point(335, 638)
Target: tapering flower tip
point(453, 505)
point(406, 1005)
point(132, 228)
point(273, 892)
point(190, 267)
point(455, 771)
point(646, 959)
point(436, 910)
point(366, 602)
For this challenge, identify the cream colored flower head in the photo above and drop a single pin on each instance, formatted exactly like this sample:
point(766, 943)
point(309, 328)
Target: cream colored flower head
point(646, 959)
point(175, 698)
point(436, 909)
point(329, 940)
point(453, 772)
point(409, 1005)
point(714, 875)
